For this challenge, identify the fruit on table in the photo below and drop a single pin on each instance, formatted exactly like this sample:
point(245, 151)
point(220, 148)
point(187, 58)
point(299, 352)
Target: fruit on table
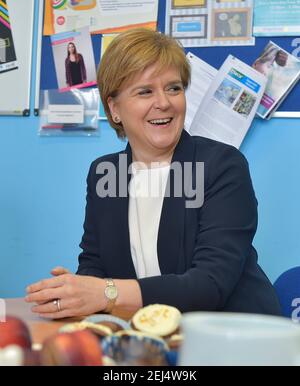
point(14, 332)
point(79, 348)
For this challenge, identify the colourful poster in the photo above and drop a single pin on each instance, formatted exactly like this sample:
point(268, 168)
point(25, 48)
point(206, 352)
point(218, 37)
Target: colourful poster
point(282, 71)
point(8, 60)
point(201, 23)
point(102, 16)
point(74, 59)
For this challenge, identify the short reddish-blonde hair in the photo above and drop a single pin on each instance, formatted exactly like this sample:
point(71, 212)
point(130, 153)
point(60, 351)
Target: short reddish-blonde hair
point(132, 52)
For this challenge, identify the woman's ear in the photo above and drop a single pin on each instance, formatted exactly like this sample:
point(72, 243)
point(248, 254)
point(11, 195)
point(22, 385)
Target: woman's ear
point(112, 107)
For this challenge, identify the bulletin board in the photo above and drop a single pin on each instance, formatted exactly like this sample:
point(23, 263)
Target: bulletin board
point(15, 84)
point(215, 56)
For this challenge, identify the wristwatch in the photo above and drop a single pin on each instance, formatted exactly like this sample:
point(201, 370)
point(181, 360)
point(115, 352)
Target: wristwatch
point(111, 294)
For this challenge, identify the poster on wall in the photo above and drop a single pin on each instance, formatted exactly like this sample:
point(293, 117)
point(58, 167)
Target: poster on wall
point(102, 16)
point(74, 59)
point(201, 23)
point(282, 71)
point(8, 59)
point(276, 18)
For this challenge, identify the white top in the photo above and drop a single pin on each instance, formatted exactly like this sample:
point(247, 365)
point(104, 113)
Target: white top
point(146, 189)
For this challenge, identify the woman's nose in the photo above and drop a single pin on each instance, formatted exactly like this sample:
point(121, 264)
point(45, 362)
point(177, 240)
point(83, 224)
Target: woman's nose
point(161, 101)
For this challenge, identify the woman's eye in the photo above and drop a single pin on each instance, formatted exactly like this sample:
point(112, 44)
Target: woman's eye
point(175, 88)
point(145, 92)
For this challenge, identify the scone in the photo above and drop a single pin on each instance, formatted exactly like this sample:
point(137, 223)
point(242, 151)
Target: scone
point(157, 319)
point(98, 329)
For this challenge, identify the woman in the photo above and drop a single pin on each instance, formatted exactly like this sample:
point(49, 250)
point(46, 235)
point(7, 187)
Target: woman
point(140, 249)
point(75, 67)
point(265, 62)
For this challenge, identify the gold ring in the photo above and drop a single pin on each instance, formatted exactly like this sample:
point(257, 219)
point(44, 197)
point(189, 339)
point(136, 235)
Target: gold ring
point(57, 304)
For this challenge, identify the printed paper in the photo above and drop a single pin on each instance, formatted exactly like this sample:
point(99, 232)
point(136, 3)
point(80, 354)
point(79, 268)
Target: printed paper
point(74, 59)
point(102, 16)
point(210, 23)
point(282, 71)
point(276, 18)
point(8, 60)
point(230, 104)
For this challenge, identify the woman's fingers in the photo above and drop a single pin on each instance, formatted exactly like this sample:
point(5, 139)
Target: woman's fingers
point(51, 310)
point(42, 302)
point(45, 295)
point(59, 271)
point(46, 283)
point(51, 307)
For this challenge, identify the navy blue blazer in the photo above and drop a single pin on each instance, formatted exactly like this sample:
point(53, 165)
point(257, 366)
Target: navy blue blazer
point(205, 254)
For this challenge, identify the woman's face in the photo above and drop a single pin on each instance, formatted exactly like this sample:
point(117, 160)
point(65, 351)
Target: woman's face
point(71, 48)
point(152, 110)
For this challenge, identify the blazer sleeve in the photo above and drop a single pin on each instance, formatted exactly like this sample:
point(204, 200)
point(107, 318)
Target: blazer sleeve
point(89, 259)
point(68, 74)
point(83, 68)
point(226, 226)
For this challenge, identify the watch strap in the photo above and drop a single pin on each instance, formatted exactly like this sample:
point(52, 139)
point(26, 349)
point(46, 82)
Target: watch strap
point(110, 302)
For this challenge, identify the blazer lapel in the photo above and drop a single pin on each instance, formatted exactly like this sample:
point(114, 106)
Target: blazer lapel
point(170, 245)
point(118, 211)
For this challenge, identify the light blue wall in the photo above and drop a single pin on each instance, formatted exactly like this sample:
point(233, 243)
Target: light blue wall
point(42, 196)
point(42, 199)
point(273, 151)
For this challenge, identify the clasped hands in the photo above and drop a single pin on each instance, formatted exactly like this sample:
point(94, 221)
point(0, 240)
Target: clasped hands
point(78, 295)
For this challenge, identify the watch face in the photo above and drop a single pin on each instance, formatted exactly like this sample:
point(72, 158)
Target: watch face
point(111, 292)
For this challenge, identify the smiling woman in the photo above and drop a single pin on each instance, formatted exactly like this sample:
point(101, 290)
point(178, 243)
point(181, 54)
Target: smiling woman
point(140, 54)
point(148, 244)
point(151, 109)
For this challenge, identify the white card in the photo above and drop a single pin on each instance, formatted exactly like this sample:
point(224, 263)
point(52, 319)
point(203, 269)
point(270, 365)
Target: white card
point(66, 114)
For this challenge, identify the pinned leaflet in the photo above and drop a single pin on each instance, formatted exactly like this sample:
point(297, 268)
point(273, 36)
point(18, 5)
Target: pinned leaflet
point(282, 71)
point(230, 104)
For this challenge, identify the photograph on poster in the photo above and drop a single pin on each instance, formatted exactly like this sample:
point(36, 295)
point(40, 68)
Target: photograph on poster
point(231, 24)
point(74, 59)
point(227, 92)
point(245, 104)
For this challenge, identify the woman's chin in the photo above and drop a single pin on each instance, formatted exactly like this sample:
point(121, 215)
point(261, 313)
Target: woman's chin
point(163, 144)
point(165, 141)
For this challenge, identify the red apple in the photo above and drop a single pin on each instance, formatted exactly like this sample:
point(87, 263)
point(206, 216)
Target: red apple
point(14, 332)
point(79, 348)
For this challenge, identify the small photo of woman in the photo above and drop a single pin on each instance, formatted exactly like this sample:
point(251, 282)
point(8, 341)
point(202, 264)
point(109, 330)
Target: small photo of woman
point(74, 59)
point(75, 67)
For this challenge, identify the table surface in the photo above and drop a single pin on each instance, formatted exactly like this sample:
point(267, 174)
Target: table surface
point(40, 328)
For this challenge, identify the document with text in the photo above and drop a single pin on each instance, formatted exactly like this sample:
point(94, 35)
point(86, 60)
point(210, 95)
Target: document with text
point(102, 16)
point(201, 23)
point(202, 76)
point(229, 106)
